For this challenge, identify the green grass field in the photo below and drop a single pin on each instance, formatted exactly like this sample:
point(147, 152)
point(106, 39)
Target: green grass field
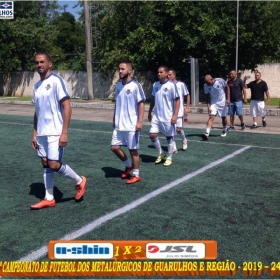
point(224, 189)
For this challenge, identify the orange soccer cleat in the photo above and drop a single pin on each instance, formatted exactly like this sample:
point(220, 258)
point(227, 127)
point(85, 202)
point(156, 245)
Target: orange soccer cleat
point(127, 171)
point(133, 179)
point(81, 188)
point(43, 204)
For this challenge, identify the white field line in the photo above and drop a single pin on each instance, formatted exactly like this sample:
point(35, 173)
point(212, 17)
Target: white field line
point(35, 255)
point(162, 137)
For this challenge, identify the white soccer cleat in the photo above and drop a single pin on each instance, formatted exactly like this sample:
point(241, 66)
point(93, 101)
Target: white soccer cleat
point(185, 144)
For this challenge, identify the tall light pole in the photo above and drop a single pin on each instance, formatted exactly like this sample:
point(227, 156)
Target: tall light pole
point(88, 50)
point(237, 22)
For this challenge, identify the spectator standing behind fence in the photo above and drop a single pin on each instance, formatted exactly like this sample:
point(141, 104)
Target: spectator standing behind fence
point(50, 134)
point(216, 102)
point(166, 103)
point(257, 107)
point(127, 121)
point(184, 96)
point(236, 87)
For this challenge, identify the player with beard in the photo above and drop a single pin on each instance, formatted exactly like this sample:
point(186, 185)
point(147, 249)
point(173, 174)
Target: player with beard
point(127, 121)
point(166, 103)
point(50, 134)
point(236, 87)
point(184, 96)
point(259, 89)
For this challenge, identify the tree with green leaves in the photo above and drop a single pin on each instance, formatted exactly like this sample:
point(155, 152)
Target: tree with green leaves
point(39, 26)
point(23, 36)
point(167, 32)
point(149, 33)
point(70, 42)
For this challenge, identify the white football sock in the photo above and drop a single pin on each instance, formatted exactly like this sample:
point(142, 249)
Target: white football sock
point(66, 171)
point(49, 183)
point(157, 145)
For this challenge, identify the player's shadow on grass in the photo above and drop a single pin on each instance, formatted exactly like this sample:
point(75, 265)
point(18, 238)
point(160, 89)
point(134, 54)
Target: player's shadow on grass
point(200, 136)
point(111, 172)
point(148, 158)
point(189, 136)
point(164, 148)
point(38, 190)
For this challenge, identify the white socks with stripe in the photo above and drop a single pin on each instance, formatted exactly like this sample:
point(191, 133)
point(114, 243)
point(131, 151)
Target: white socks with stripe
point(66, 171)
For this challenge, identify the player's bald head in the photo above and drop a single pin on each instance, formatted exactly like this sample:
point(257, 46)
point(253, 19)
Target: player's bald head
point(208, 79)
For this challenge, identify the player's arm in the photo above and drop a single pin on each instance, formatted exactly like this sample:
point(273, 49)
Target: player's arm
point(176, 111)
point(188, 101)
point(152, 105)
point(228, 94)
point(113, 122)
point(34, 137)
point(244, 81)
point(141, 110)
point(177, 105)
point(245, 94)
point(65, 103)
point(243, 89)
point(268, 97)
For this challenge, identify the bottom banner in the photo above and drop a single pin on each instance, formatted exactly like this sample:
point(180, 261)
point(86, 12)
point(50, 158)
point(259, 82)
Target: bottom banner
point(135, 268)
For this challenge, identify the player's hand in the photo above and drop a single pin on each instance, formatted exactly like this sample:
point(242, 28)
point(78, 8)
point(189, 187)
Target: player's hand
point(139, 126)
point(228, 101)
point(149, 117)
point(245, 100)
point(63, 140)
point(174, 119)
point(268, 101)
point(186, 110)
point(34, 143)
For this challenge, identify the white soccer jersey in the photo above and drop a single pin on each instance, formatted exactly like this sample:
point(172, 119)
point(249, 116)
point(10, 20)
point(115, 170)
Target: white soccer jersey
point(216, 91)
point(183, 91)
point(165, 96)
point(47, 95)
point(127, 105)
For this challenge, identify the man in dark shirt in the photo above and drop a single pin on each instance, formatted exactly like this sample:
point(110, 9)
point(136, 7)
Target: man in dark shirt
point(257, 107)
point(236, 87)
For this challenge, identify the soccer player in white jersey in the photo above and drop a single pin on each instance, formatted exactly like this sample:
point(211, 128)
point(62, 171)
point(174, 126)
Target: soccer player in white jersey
point(184, 96)
point(217, 97)
point(50, 134)
point(127, 121)
point(166, 103)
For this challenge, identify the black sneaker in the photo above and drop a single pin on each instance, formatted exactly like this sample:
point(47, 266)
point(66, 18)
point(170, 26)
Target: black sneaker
point(205, 136)
point(243, 126)
point(264, 123)
point(230, 128)
point(254, 126)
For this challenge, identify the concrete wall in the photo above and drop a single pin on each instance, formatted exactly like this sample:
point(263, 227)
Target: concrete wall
point(21, 83)
point(270, 73)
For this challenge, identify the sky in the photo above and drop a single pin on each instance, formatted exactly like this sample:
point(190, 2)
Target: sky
point(70, 7)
